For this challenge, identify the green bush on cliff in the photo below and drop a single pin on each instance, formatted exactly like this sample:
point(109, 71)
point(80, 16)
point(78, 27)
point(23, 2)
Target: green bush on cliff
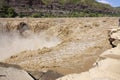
point(7, 12)
point(36, 15)
point(47, 2)
point(11, 12)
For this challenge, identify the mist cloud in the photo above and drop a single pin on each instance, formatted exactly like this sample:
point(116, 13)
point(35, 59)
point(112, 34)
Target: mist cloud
point(13, 43)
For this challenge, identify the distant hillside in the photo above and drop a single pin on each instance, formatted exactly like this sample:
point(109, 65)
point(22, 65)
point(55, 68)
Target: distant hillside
point(55, 8)
point(118, 8)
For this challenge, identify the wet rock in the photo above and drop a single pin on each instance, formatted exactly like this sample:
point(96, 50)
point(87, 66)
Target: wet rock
point(49, 75)
point(116, 42)
point(13, 72)
point(22, 28)
point(114, 35)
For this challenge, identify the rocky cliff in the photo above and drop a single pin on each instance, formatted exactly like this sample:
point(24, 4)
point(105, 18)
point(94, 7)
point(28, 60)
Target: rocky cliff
point(60, 7)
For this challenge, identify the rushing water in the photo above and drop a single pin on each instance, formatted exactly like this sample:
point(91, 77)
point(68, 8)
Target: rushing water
point(12, 43)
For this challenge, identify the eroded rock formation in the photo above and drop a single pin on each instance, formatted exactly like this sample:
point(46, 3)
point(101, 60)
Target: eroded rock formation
point(114, 37)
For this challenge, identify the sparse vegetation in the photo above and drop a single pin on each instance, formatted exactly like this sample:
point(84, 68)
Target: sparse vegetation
point(36, 15)
point(69, 8)
point(47, 2)
point(7, 12)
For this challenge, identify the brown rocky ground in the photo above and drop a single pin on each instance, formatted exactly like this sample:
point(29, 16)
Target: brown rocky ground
point(82, 40)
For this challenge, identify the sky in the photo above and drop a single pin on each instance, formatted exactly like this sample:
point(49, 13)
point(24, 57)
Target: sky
point(114, 3)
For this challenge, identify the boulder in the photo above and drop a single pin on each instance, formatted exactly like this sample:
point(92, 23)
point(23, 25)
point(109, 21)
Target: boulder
point(114, 37)
point(13, 72)
point(113, 53)
point(109, 65)
point(49, 75)
point(23, 27)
